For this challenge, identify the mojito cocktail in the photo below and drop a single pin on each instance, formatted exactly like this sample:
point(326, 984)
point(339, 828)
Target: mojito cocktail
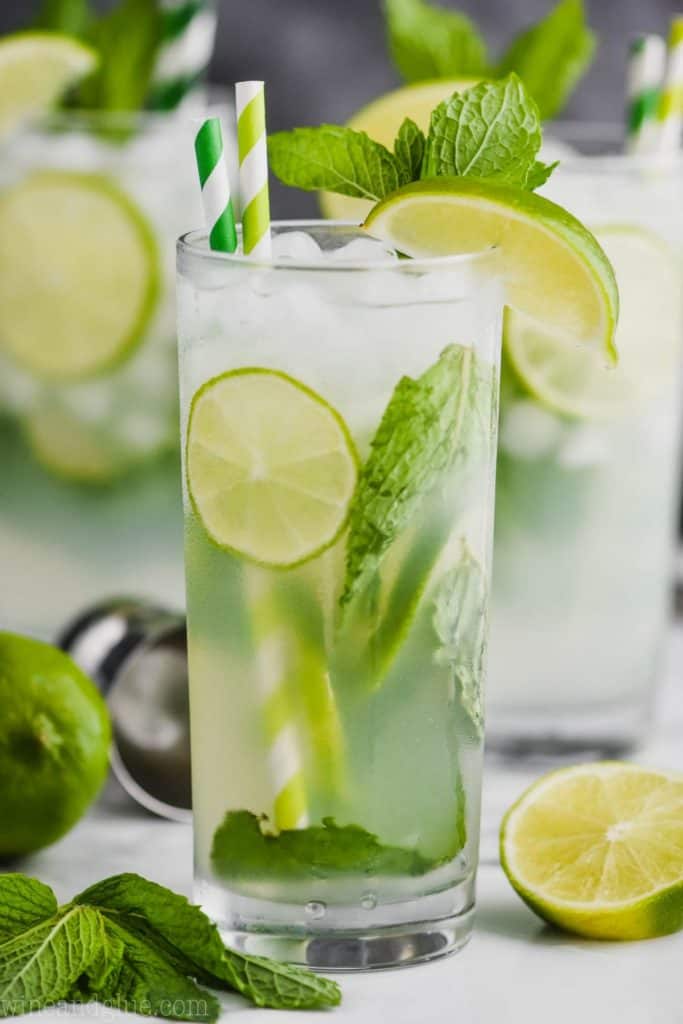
point(338, 423)
point(588, 479)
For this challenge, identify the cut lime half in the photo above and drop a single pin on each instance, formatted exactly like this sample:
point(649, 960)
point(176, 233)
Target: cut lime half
point(271, 467)
point(381, 120)
point(36, 68)
point(555, 270)
point(598, 850)
point(79, 274)
point(573, 380)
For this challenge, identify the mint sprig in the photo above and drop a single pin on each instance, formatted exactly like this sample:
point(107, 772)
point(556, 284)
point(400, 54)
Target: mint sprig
point(490, 131)
point(135, 945)
point(552, 56)
point(430, 42)
point(68, 16)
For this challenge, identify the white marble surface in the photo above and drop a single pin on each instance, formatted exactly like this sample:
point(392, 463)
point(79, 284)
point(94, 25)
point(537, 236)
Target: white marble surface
point(514, 971)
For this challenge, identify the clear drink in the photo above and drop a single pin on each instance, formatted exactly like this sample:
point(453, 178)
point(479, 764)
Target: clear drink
point(338, 417)
point(588, 481)
point(88, 444)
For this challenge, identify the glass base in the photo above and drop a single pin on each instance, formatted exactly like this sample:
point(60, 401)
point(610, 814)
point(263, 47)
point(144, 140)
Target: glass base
point(280, 931)
point(588, 732)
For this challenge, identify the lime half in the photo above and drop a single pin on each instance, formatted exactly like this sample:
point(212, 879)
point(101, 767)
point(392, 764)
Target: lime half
point(79, 274)
point(574, 380)
point(598, 850)
point(271, 467)
point(381, 120)
point(555, 271)
point(36, 68)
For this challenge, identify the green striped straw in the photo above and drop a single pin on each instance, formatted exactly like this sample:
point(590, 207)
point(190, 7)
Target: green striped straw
point(213, 179)
point(647, 58)
point(189, 33)
point(670, 110)
point(253, 160)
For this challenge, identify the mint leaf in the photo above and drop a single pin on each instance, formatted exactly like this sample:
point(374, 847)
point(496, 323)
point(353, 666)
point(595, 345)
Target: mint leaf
point(552, 56)
point(429, 42)
point(409, 150)
point(423, 429)
point(127, 40)
point(460, 623)
point(243, 852)
point(491, 131)
point(539, 174)
point(335, 159)
point(187, 940)
point(68, 16)
point(40, 966)
point(24, 902)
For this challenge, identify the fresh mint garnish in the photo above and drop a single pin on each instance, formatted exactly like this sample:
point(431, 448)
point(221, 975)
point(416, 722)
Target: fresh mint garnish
point(426, 424)
point(244, 852)
point(135, 945)
point(491, 131)
point(409, 149)
point(430, 42)
point(460, 623)
point(552, 56)
point(337, 160)
point(68, 16)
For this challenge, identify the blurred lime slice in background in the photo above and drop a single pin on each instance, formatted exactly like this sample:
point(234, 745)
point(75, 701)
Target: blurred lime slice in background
point(597, 849)
point(271, 467)
point(573, 380)
point(79, 275)
point(381, 120)
point(554, 269)
point(36, 69)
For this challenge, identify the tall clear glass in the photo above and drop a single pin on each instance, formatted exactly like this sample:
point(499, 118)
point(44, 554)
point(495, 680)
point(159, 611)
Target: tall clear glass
point(89, 457)
point(336, 662)
point(587, 491)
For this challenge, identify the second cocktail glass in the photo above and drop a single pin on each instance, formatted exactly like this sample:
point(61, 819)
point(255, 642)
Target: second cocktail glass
point(338, 417)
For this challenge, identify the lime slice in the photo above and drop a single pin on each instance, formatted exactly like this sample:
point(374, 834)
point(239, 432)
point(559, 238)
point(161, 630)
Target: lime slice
point(79, 274)
point(598, 850)
point(555, 270)
point(36, 68)
point(271, 467)
point(71, 450)
point(382, 119)
point(575, 381)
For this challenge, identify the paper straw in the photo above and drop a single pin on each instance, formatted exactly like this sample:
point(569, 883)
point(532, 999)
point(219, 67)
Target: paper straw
point(647, 59)
point(189, 35)
point(670, 111)
point(273, 661)
point(215, 185)
point(253, 160)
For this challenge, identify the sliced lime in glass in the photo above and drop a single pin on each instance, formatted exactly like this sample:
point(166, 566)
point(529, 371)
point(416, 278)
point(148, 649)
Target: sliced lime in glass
point(271, 467)
point(79, 274)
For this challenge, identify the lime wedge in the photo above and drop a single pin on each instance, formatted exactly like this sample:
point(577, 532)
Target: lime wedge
point(381, 120)
point(555, 270)
point(598, 850)
point(79, 274)
point(574, 380)
point(36, 68)
point(271, 467)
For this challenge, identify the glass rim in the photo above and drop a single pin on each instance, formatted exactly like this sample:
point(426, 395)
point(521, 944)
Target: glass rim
point(575, 132)
point(194, 243)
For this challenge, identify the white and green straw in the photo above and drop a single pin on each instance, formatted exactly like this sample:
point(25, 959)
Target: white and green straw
point(670, 109)
point(647, 59)
point(253, 160)
point(219, 217)
point(189, 33)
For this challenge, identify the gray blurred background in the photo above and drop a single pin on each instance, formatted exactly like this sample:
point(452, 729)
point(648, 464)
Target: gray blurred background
point(323, 59)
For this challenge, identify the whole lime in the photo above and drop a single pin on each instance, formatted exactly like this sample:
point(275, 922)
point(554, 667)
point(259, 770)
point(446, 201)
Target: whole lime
point(54, 744)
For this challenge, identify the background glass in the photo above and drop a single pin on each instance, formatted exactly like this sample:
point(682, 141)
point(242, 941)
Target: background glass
point(586, 504)
point(385, 717)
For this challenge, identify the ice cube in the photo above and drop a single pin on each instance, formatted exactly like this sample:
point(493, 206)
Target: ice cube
point(363, 250)
point(529, 432)
point(585, 446)
point(296, 246)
